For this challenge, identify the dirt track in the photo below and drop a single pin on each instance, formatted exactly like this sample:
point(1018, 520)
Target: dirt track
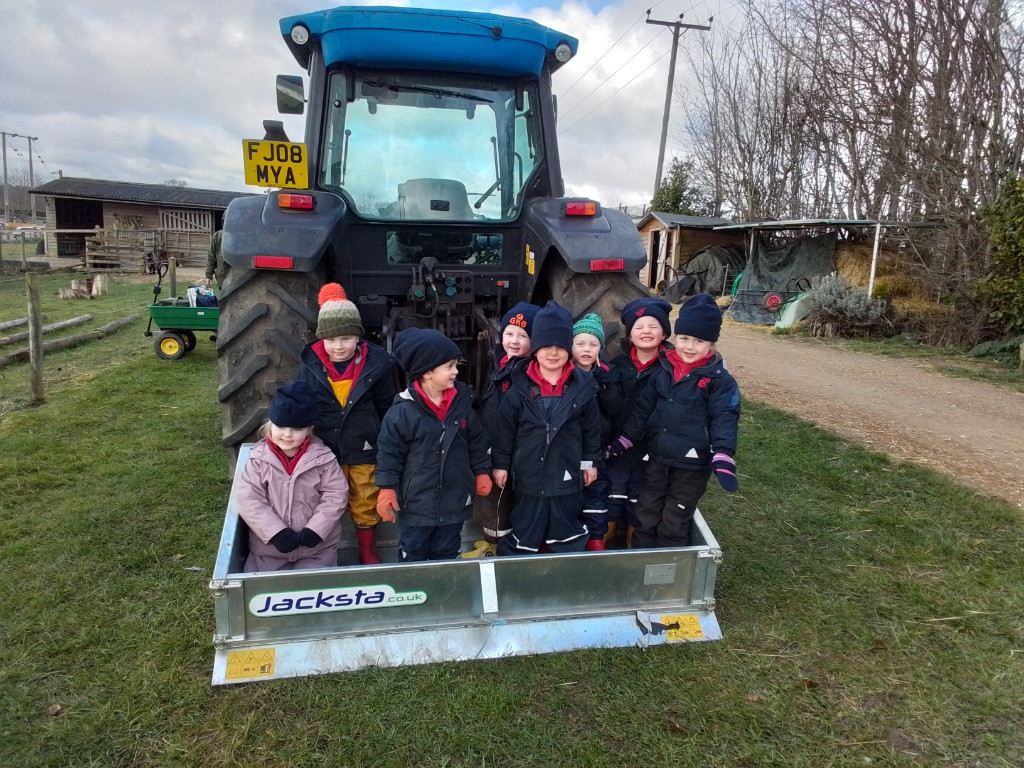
point(971, 431)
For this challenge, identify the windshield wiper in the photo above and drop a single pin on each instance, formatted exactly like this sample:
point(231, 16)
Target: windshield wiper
point(436, 92)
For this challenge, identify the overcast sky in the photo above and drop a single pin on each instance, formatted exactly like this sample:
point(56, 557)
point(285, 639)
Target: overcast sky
point(151, 90)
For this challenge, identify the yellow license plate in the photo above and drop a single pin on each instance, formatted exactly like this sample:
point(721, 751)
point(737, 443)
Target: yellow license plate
point(275, 164)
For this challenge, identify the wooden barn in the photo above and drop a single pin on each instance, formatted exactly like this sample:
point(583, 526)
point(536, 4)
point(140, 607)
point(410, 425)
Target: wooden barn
point(123, 224)
point(672, 239)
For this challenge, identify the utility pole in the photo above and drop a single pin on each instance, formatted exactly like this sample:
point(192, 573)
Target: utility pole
point(676, 27)
point(31, 179)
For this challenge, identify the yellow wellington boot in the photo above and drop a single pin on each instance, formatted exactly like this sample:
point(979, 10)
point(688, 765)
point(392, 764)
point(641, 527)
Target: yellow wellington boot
point(610, 535)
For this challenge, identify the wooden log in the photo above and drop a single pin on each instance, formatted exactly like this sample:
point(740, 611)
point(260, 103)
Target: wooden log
point(71, 341)
point(14, 338)
point(35, 338)
point(73, 293)
point(13, 323)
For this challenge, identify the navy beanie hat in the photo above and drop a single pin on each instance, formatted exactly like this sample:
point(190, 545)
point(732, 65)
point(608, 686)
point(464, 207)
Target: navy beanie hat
point(294, 406)
point(700, 317)
point(651, 306)
point(419, 350)
point(552, 327)
point(521, 315)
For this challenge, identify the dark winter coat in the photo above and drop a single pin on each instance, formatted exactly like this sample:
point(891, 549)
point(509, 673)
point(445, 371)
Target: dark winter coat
point(687, 422)
point(351, 432)
point(498, 383)
point(631, 383)
point(609, 398)
point(544, 454)
point(432, 465)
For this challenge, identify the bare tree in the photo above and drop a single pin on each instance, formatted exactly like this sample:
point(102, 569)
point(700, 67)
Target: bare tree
point(865, 109)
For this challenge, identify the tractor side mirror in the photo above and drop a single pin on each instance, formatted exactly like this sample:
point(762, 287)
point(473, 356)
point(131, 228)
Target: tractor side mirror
point(291, 98)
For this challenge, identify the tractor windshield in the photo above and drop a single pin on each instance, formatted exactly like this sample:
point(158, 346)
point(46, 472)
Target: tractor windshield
point(430, 147)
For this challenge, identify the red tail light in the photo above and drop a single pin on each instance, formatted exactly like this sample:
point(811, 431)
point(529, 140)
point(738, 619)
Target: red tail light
point(295, 202)
point(581, 208)
point(607, 265)
point(273, 262)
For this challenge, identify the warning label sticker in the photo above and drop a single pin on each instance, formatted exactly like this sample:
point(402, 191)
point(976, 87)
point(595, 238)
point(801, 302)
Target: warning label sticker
point(687, 628)
point(258, 662)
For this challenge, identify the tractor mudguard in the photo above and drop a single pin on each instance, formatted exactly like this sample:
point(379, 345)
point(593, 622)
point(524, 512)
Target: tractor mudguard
point(610, 234)
point(257, 226)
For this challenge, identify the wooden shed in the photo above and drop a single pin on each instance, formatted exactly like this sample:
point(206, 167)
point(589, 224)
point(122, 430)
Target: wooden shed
point(671, 239)
point(118, 223)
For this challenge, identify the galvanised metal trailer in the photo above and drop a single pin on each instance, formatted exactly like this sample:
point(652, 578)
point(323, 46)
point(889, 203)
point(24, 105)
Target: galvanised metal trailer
point(294, 623)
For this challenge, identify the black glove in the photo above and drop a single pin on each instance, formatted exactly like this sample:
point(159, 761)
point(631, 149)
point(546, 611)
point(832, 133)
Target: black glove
point(601, 375)
point(725, 470)
point(619, 446)
point(285, 540)
point(308, 538)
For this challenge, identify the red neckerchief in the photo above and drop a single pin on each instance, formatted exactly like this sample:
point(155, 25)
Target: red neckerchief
point(547, 389)
point(680, 369)
point(503, 362)
point(441, 411)
point(289, 464)
point(353, 367)
point(641, 366)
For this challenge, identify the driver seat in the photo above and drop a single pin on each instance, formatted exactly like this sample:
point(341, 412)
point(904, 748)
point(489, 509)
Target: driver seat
point(434, 199)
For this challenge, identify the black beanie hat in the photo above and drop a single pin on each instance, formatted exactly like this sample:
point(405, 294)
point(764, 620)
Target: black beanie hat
point(294, 406)
point(419, 350)
point(651, 306)
point(521, 315)
point(552, 327)
point(700, 317)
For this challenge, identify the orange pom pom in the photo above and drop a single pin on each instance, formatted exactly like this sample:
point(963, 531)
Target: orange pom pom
point(331, 292)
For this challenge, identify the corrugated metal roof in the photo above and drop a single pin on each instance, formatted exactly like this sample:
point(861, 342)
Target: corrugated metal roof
point(131, 192)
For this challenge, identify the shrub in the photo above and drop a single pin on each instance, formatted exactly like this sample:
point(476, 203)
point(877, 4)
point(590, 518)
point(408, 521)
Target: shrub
point(1003, 286)
point(837, 310)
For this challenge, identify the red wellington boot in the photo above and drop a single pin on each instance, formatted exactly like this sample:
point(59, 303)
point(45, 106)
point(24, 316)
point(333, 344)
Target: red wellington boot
point(367, 548)
point(594, 545)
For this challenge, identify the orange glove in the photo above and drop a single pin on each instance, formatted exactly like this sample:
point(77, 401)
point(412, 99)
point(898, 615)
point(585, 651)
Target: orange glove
point(387, 504)
point(483, 485)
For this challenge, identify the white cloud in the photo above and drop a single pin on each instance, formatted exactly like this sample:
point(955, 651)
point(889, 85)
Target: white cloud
point(149, 90)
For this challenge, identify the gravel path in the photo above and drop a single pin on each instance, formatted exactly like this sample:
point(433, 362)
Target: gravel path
point(971, 431)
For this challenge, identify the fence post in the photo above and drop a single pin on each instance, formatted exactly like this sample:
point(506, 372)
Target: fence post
point(35, 337)
point(172, 276)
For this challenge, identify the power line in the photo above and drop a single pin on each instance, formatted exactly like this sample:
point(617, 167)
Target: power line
point(644, 70)
point(582, 101)
point(601, 57)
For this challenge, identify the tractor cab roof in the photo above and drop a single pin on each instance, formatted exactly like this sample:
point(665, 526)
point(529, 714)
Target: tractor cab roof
point(426, 39)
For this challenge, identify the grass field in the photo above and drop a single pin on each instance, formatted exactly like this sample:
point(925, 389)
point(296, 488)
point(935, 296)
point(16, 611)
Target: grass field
point(872, 612)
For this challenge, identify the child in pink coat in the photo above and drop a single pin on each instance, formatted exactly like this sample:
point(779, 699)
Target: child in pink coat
point(292, 490)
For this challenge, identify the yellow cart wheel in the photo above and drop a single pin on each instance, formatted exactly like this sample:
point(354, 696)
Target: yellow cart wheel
point(169, 346)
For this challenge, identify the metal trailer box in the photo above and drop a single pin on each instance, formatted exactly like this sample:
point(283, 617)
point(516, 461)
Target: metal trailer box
point(309, 622)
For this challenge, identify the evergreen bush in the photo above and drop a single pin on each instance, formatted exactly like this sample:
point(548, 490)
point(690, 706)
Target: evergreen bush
point(838, 310)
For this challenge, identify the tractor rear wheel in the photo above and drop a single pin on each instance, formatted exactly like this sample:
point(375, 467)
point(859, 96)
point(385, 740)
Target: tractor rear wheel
point(266, 318)
point(603, 293)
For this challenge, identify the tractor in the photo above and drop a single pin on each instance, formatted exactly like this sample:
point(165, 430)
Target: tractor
point(428, 184)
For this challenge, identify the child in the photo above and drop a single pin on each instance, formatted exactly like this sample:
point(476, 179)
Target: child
point(354, 383)
point(587, 346)
point(690, 411)
point(515, 349)
point(431, 446)
point(548, 437)
point(291, 492)
point(646, 324)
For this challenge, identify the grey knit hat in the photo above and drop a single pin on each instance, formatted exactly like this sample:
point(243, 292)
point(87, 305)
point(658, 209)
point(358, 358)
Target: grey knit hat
point(338, 316)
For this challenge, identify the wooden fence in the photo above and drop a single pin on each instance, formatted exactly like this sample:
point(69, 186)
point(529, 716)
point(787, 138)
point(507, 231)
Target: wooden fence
point(116, 250)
